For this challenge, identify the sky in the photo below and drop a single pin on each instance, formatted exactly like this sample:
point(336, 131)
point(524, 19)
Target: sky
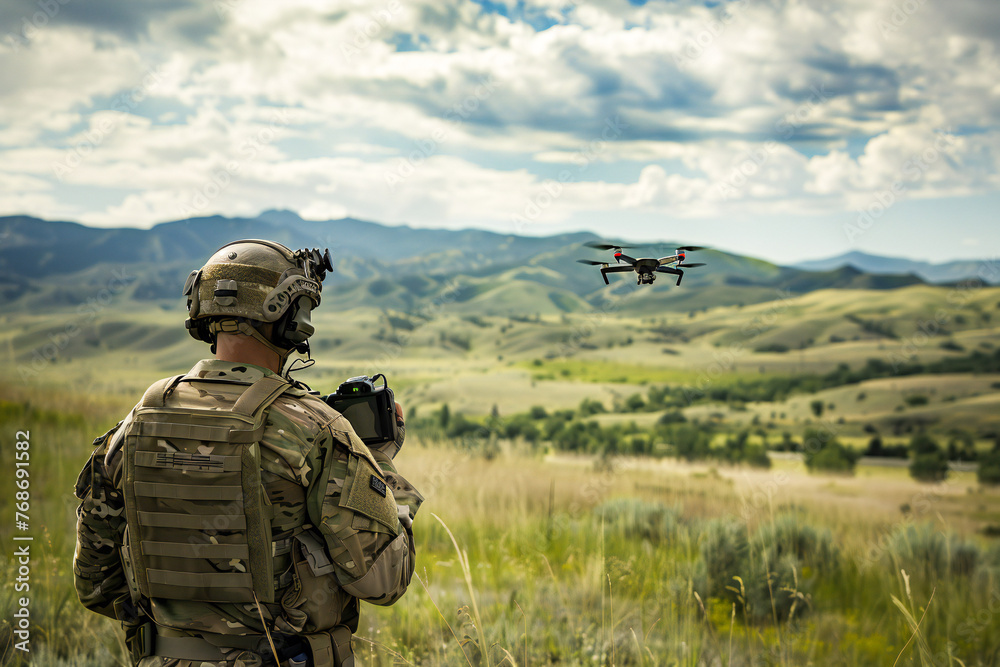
point(787, 130)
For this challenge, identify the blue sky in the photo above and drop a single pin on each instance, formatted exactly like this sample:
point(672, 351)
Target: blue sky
point(788, 130)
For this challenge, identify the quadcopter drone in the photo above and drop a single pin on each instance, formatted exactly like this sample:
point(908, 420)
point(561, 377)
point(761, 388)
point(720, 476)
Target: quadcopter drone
point(646, 268)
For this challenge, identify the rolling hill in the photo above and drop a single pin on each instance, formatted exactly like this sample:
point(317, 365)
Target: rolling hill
point(52, 264)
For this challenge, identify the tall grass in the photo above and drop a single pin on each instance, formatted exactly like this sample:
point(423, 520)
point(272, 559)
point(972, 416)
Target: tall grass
point(562, 562)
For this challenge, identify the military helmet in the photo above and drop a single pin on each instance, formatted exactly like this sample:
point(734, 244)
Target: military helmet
point(252, 281)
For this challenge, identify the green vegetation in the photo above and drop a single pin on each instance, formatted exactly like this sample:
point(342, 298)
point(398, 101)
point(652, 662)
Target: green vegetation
point(929, 462)
point(822, 452)
point(586, 471)
point(989, 466)
point(559, 562)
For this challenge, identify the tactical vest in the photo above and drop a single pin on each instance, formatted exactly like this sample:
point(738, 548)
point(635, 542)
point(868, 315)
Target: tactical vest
point(199, 521)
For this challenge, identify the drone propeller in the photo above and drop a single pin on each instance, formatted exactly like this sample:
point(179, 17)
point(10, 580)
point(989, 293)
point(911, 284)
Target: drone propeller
point(591, 262)
point(692, 248)
point(606, 246)
point(690, 266)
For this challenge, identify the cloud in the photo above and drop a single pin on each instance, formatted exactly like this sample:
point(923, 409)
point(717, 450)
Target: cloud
point(454, 113)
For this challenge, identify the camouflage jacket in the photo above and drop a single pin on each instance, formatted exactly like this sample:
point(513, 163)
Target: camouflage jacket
point(306, 452)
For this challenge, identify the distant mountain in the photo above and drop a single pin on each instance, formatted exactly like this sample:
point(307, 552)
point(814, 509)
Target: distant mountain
point(64, 264)
point(948, 272)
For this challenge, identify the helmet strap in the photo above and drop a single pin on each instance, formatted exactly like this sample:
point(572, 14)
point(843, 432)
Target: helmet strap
point(232, 326)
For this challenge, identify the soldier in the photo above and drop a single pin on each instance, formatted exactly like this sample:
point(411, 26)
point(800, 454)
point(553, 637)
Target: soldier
point(233, 518)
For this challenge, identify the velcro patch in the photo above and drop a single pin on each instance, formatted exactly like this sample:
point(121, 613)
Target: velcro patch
point(377, 485)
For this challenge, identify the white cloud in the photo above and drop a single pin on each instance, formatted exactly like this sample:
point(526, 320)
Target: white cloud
point(777, 107)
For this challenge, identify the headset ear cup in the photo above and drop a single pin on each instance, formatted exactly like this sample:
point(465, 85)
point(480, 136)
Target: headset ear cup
point(280, 328)
point(199, 330)
point(285, 325)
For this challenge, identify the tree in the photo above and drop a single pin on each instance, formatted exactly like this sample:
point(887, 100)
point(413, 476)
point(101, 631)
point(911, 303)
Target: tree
point(817, 407)
point(989, 466)
point(928, 461)
point(444, 417)
point(823, 452)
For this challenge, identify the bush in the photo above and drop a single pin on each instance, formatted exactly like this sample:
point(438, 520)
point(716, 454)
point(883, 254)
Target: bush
point(639, 518)
point(634, 403)
point(771, 565)
point(689, 442)
point(823, 452)
point(672, 417)
point(590, 407)
point(989, 468)
point(929, 463)
point(725, 549)
point(932, 554)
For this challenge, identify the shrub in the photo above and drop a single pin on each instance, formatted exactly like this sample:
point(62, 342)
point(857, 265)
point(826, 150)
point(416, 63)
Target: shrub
point(989, 468)
point(823, 452)
point(689, 442)
point(929, 463)
point(640, 518)
point(634, 403)
point(672, 417)
point(725, 550)
point(931, 553)
point(771, 565)
point(590, 407)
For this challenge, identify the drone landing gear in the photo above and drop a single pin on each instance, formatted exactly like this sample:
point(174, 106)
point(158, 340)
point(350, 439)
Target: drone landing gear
point(672, 271)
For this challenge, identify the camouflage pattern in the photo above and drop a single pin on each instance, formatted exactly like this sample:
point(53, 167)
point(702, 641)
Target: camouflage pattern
point(310, 460)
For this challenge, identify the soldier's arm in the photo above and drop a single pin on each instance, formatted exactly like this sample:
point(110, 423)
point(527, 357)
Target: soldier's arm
point(408, 499)
point(97, 567)
point(351, 501)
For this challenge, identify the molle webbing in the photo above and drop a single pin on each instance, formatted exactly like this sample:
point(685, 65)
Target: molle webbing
point(198, 519)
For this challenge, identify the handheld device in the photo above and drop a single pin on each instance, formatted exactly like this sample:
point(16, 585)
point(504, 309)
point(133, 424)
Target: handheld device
point(370, 409)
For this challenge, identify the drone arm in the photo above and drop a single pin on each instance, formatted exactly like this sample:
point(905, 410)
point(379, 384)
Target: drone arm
point(605, 270)
point(625, 258)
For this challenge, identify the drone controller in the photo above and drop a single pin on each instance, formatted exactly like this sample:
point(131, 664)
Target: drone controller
point(370, 409)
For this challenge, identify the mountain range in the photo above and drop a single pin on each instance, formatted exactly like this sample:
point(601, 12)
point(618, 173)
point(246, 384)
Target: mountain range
point(51, 264)
point(946, 272)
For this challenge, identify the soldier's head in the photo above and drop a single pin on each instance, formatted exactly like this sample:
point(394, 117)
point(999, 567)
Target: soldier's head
point(259, 289)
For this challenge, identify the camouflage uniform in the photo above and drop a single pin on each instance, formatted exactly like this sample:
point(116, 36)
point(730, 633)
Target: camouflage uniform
point(308, 452)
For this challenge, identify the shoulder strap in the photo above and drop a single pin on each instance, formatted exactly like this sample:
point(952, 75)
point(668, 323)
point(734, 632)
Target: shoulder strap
point(157, 392)
point(260, 395)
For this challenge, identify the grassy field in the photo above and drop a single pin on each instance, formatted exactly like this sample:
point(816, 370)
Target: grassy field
point(533, 558)
point(536, 557)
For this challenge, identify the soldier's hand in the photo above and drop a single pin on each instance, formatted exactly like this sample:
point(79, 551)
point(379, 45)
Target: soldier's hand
point(400, 429)
point(390, 449)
